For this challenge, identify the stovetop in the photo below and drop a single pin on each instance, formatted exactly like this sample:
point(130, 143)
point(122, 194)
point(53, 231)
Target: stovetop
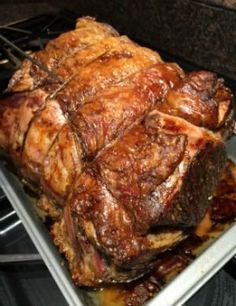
point(24, 279)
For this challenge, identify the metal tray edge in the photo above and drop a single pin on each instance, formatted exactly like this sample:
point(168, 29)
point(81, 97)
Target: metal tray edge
point(40, 237)
point(192, 278)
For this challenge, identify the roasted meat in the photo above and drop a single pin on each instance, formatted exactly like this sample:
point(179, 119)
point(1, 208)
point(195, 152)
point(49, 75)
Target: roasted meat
point(221, 212)
point(125, 153)
point(57, 51)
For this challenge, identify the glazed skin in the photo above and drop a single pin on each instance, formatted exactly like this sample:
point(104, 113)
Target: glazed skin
point(125, 152)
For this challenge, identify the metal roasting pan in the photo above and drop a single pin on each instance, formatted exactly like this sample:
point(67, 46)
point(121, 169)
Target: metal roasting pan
point(179, 290)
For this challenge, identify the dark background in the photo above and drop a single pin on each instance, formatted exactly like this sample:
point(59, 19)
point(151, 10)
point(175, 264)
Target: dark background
point(202, 32)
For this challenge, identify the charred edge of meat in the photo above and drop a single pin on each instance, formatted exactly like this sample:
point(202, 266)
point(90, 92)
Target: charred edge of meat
point(190, 205)
point(223, 206)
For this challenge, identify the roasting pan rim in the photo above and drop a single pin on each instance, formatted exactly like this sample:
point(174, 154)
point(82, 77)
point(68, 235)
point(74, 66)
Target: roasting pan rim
point(37, 231)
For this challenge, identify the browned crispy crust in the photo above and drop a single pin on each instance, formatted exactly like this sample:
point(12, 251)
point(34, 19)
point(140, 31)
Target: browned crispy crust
point(87, 32)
